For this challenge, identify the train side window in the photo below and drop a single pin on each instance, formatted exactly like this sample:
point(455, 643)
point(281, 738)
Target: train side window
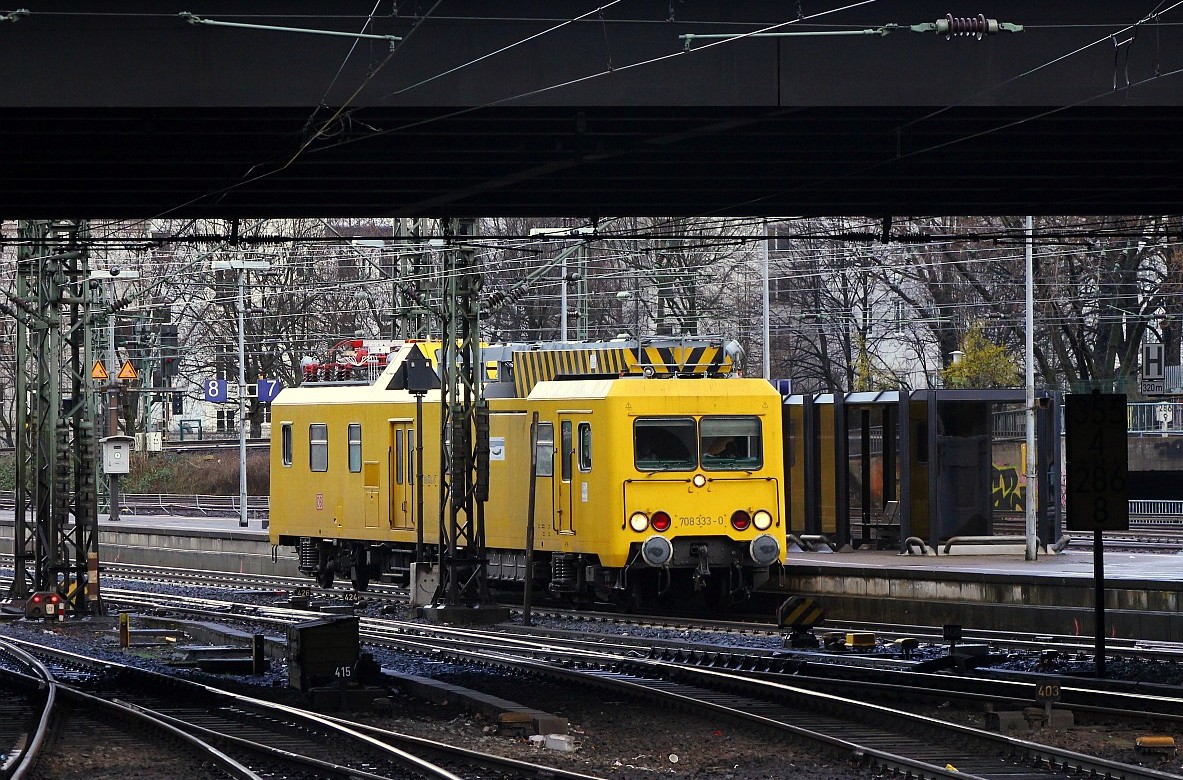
point(546, 449)
point(398, 456)
point(585, 451)
point(355, 447)
point(921, 444)
point(568, 449)
point(318, 447)
point(285, 436)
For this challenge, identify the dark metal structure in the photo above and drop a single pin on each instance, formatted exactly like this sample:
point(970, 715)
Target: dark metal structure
point(880, 467)
point(463, 593)
point(570, 108)
point(56, 517)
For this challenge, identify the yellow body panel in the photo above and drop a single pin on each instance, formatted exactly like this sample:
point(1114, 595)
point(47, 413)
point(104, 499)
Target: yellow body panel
point(585, 513)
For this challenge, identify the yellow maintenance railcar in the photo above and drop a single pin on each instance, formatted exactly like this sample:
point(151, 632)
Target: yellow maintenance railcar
point(649, 481)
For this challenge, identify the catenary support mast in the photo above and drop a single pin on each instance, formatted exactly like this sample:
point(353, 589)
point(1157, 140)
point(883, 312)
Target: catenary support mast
point(56, 446)
point(463, 593)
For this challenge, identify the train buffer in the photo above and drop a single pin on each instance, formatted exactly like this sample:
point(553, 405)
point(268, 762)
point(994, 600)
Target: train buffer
point(800, 615)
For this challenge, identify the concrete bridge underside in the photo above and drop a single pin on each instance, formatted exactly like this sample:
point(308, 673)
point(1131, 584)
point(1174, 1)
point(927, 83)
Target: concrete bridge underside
point(551, 108)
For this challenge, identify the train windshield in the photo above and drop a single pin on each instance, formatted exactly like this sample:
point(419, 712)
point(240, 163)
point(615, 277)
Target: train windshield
point(731, 443)
point(665, 443)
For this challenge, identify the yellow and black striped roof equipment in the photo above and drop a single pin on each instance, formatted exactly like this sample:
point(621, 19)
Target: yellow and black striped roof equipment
point(536, 363)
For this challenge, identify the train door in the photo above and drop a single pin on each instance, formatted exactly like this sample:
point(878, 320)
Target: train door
point(571, 488)
point(369, 472)
point(402, 475)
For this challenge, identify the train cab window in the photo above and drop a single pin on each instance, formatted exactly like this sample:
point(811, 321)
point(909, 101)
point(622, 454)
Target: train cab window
point(318, 447)
point(546, 449)
point(584, 446)
point(731, 443)
point(354, 447)
point(665, 444)
point(285, 438)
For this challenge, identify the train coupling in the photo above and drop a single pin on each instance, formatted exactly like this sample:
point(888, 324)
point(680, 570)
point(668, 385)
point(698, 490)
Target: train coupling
point(702, 569)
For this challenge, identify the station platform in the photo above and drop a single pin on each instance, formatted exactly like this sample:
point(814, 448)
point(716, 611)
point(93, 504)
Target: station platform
point(1053, 594)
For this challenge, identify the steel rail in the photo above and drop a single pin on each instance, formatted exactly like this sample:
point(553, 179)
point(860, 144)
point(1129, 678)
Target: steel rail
point(57, 690)
point(21, 761)
point(375, 740)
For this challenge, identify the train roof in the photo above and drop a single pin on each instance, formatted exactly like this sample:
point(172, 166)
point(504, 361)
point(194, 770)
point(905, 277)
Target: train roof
point(633, 387)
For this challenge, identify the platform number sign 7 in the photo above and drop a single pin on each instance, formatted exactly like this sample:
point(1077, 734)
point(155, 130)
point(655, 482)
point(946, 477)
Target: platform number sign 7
point(268, 389)
point(1096, 447)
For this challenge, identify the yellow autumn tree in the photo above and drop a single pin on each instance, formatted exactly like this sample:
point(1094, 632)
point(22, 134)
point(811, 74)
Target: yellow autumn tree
point(984, 364)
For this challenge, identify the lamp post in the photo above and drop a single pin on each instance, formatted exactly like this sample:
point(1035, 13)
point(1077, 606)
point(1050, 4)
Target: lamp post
point(1030, 551)
point(242, 266)
point(635, 297)
point(112, 383)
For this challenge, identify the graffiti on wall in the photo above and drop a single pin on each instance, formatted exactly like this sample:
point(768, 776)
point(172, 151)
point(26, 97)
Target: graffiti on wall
point(1007, 492)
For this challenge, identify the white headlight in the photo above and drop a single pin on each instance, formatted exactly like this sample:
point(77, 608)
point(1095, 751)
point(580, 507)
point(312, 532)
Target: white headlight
point(638, 521)
point(699, 480)
point(762, 520)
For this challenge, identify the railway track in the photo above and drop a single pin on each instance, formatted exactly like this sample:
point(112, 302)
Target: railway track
point(266, 739)
point(55, 725)
point(392, 595)
point(919, 746)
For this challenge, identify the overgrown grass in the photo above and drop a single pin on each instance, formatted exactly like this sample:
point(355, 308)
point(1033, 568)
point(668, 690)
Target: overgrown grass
point(163, 472)
point(214, 475)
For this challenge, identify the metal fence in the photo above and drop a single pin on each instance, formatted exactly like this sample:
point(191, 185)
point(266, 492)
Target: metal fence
point(1143, 418)
point(174, 504)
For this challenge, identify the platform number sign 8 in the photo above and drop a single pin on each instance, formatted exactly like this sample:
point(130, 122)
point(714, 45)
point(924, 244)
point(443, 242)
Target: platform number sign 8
point(215, 391)
point(1097, 468)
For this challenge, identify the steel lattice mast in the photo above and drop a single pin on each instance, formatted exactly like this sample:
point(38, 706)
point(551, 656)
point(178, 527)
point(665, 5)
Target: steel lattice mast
point(464, 440)
point(56, 519)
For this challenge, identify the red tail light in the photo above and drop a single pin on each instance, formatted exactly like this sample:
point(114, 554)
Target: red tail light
point(740, 520)
point(660, 521)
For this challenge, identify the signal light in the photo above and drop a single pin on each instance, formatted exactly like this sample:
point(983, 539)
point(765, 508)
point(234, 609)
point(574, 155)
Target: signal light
point(762, 520)
point(660, 521)
point(740, 520)
point(44, 604)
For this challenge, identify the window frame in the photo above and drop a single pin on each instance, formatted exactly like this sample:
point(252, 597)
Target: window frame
point(648, 421)
point(583, 443)
point(730, 464)
point(545, 466)
point(318, 446)
point(285, 444)
point(353, 447)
